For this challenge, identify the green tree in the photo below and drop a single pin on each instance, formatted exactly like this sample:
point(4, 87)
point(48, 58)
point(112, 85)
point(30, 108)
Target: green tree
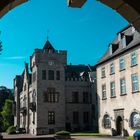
point(7, 114)
point(5, 93)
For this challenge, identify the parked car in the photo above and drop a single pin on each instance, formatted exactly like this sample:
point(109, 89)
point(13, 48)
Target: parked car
point(20, 131)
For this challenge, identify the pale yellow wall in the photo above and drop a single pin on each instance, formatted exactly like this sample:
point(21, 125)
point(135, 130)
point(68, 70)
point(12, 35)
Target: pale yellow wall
point(129, 102)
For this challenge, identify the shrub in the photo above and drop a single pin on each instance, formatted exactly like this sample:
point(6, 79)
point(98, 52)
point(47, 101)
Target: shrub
point(11, 130)
point(62, 133)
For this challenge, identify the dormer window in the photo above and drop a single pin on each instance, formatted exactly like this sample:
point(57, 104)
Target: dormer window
point(126, 39)
point(113, 48)
point(129, 38)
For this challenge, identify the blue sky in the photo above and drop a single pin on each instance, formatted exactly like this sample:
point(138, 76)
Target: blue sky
point(85, 33)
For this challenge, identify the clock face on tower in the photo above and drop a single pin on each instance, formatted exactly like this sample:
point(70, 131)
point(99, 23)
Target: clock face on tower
point(51, 63)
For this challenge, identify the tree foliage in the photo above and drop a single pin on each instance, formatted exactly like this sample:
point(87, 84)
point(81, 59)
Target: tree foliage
point(5, 93)
point(7, 115)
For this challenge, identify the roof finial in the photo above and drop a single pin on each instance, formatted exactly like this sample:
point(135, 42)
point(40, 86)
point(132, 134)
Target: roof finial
point(48, 34)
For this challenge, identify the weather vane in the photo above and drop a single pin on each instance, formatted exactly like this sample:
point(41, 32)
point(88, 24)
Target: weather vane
point(48, 34)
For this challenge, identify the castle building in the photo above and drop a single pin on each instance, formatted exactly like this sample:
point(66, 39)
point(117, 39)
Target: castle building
point(118, 86)
point(55, 96)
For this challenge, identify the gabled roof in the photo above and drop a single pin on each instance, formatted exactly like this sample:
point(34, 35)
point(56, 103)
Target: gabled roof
point(134, 43)
point(48, 47)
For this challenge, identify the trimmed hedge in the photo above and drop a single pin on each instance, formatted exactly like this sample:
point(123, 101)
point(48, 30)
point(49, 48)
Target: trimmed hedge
point(62, 133)
point(11, 130)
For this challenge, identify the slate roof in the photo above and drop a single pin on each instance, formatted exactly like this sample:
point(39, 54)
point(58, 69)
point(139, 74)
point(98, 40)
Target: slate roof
point(48, 46)
point(134, 43)
point(75, 70)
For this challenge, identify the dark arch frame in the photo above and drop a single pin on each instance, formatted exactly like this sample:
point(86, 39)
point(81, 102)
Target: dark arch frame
point(130, 119)
point(129, 9)
point(108, 125)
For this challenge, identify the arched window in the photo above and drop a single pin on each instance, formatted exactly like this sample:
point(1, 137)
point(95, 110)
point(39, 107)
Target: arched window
point(135, 120)
point(106, 121)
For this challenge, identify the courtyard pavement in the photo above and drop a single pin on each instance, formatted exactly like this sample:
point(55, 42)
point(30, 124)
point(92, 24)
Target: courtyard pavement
point(28, 136)
point(97, 138)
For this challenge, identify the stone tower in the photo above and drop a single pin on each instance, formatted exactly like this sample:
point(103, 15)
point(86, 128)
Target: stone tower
point(48, 84)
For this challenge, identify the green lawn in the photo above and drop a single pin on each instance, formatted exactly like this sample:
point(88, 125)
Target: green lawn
point(130, 138)
point(87, 134)
point(95, 134)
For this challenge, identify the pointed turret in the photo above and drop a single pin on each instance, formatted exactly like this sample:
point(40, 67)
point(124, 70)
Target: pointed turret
point(48, 47)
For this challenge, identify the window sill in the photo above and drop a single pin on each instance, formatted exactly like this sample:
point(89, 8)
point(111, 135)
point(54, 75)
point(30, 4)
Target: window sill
point(104, 98)
point(103, 77)
point(133, 92)
point(122, 70)
point(107, 127)
point(113, 97)
point(134, 65)
point(123, 94)
point(112, 73)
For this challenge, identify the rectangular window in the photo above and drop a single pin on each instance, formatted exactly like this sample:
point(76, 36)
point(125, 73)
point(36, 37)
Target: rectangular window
point(103, 72)
point(85, 97)
point(104, 91)
point(75, 97)
point(122, 86)
point(122, 64)
point(75, 117)
point(51, 117)
point(43, 74)
point(133, 59)
point(112, 89)
point(57, 75)
point(50, 75)
point(86, 117)
point(51, 95)
point(112, 69)
point(135, 84)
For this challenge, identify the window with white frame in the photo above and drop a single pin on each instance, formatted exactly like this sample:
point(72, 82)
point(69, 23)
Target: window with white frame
point(135, 83)
point(122, 63)
point(133, 58)
point(112, 89)
point(106, 121)
point(103, 72)
point(112, 69)
point(122, 86)
point(104, 91)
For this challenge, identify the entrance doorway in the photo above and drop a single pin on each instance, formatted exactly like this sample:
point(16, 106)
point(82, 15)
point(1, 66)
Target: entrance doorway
point(68, 127)
point(119, 125)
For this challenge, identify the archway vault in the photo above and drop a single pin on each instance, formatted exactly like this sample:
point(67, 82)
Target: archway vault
point(7, 5)
point(129, 9)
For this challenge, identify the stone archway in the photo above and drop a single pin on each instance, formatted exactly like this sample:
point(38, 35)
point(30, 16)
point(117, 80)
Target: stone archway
point(119, 125)
point(129, 9)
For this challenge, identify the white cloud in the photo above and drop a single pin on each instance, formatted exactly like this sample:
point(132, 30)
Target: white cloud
point(14, 58)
